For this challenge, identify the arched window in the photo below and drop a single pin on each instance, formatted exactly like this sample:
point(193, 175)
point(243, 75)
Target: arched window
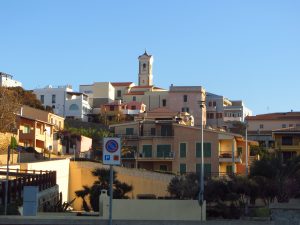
point(73, 107)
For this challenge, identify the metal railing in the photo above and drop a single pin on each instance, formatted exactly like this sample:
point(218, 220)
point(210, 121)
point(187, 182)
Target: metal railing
point(20, 178)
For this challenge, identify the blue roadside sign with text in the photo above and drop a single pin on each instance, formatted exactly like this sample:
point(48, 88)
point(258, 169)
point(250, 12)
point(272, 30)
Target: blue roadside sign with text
point(111, 151)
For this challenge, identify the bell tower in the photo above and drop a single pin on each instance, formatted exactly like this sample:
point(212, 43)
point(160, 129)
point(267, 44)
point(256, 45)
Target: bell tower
point(145, 69)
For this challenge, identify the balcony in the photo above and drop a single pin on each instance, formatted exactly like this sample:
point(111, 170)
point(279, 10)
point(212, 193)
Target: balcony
point(226, 157)
point(26, 136)
point(293, 147)
point(168, 156)
point(133, 136)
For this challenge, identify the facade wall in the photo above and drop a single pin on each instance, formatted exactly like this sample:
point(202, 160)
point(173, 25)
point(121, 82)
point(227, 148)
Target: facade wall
point(143, 182)
point(269, 125)
point(176, 101)
point(7, 81)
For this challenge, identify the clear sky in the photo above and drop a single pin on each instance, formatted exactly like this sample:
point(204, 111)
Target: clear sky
point(248, 50)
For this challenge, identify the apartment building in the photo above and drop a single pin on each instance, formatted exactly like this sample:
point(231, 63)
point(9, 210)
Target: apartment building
point(7, 80)
point(287, 142)
point(260, 127)
point(64, 101)
point(37, 129)
point(166, 145)
point(222, 112)
point(188, 99)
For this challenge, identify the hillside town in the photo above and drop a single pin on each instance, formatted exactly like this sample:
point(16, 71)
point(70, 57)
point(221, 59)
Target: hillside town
point(171, 140)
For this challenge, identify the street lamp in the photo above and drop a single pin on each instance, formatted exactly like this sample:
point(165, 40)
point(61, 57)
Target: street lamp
point(246, 149)
point(201, 191)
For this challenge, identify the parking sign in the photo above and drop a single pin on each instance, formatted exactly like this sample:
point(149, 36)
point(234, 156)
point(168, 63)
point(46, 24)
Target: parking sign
point(111, 151)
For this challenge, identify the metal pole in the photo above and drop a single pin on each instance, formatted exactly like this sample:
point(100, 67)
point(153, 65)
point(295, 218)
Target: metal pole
point(110, 193)
point(246, 150)
point(6, 182)
point(201, 192)
point(202, 165)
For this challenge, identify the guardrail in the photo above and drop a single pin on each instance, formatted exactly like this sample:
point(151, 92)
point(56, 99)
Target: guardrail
point(20, 178)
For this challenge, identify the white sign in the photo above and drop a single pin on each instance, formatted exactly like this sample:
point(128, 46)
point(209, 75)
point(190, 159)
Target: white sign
point(111, 151)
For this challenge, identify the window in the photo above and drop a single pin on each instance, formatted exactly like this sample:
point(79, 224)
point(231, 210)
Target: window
point(147, 151)
point(219, 115)
point(283, 125)
point(152, 131)
point(73, 107)
point(53, 99)
point(163, 151)
point(133, 107)
point(118, 93)
point(163, 167)
point(207, 169)
point(185, 109)
point(185, 98)
point(239, 151)
point(42, 98)
point(111, 108)
point(164, 102)
point(210, 104)
point(26, 129)
point(261, 126)
point(214, 103)
point(53, 106)
point(206, 150)
point(166, 130)
point(134, 98)
point(182, 168)
point(144, 66)
point(290, 125)
point(229, 169)
point(298, 125)
point(182, 150)
point(210, 115)
point(129, 131)
point(287, 140)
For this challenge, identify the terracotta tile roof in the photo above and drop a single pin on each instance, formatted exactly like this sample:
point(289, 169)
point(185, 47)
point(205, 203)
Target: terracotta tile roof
point(276, 116)
point(121, 84)
point(135, 93)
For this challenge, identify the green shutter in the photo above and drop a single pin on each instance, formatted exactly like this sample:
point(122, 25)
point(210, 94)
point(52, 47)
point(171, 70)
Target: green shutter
point(163, 151)
point(182, 168)
point(147, 151)
point(129, 131)
point(207, 150)
point(182, 150)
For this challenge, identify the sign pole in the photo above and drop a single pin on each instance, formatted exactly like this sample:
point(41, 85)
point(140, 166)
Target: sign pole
point(110, 193)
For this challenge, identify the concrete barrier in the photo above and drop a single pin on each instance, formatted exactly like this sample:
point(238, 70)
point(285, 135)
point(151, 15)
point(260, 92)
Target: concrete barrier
point(152, 209)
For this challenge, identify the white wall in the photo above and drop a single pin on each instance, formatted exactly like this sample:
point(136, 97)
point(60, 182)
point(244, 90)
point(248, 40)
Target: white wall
point(8, 82)
point(62, 173)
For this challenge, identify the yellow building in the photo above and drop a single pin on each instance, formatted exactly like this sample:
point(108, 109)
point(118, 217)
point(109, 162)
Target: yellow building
point(287, 142)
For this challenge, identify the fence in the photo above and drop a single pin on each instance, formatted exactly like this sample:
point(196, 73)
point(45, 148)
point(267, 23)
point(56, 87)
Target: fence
point(20, 178)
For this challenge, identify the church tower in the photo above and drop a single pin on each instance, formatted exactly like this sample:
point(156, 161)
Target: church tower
point(145, 70)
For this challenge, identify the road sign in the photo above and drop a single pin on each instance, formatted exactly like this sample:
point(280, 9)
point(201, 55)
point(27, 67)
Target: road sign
point(111, 151)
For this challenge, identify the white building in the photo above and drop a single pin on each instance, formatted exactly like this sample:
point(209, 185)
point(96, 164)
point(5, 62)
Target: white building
point(221, 112)
point(7, 80)
point(64, 101)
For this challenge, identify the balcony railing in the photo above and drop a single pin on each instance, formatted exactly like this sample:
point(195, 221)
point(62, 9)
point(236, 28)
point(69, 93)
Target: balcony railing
point(226, 156)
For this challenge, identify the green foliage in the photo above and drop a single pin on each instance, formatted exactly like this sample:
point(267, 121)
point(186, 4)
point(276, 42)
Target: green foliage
point(13, 143)
point(184, 186)
point(28, 98)
point(277, 179)
point(120, 189)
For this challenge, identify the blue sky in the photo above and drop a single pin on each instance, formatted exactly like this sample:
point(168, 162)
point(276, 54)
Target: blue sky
point(247, 50)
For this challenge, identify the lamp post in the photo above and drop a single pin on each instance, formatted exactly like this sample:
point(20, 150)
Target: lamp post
point(246, 149)
point(201, 191)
